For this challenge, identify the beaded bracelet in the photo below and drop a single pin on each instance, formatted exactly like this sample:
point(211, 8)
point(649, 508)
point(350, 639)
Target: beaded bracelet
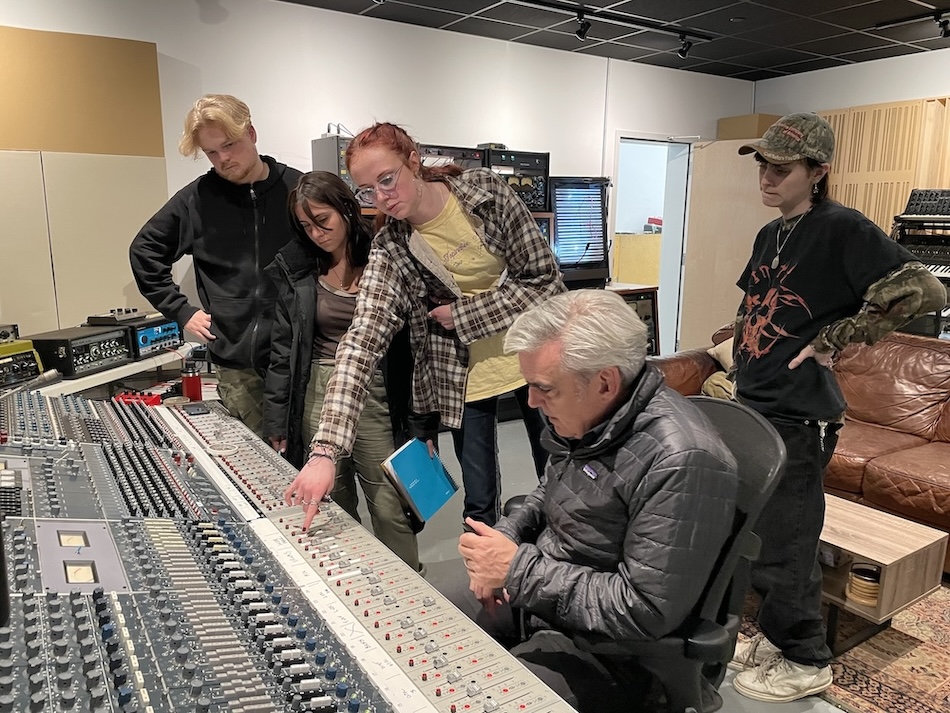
point(325, 452)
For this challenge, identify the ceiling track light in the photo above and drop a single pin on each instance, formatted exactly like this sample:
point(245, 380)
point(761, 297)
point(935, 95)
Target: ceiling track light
point(685, 47)
point(584, 27)
point(585, 14)
point(936, 15)
point(944, 26)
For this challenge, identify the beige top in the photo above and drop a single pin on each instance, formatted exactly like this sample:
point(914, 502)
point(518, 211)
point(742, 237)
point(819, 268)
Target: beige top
point(450, 235)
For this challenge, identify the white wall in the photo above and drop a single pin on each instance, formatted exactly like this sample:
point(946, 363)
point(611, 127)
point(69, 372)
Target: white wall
point(300, 68)
point(916, 76)
point(639, 185)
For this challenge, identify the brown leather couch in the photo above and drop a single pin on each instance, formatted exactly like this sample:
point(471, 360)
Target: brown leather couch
point(893, 452)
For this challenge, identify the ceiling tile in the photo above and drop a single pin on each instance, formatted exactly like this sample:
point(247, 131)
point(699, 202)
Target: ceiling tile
point(524, 15)
point(412, 15)
point(914, 32)
point(862, 17)
point(464, 7)
point(793, 32)
point(812, 64)
point(851, 42)
point(614, 51)
point(757, 75)
point(726, 48)
point(937, 43)
point(772, 57)
point(720, 69)
point(809, 8)
point(653, 40)
point(598, 30)
point(349, 6)
point(669, 10)
point(728, 22)
point(670, 59)
point(554, 40)
point(882, 53)
point(488, 28)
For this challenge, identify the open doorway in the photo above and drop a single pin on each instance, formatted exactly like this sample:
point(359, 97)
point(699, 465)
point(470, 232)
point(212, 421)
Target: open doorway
point(650, 225)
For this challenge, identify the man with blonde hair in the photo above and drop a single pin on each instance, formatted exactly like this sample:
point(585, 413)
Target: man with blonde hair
point(619, 539)
point(232, 221)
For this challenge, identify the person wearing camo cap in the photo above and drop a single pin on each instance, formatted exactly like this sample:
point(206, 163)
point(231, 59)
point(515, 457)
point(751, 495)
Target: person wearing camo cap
point(821, 276)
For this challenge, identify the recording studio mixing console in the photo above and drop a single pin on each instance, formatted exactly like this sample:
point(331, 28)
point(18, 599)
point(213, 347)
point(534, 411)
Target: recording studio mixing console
point(154, 568)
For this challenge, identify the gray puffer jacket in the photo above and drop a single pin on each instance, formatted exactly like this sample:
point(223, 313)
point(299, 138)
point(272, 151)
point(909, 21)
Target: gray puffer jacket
point(619, 540)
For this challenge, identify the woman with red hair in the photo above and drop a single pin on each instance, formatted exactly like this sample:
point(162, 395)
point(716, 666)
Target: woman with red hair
point(458, 256)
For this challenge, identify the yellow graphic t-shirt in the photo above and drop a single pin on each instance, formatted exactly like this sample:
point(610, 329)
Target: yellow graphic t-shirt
point(490, 371)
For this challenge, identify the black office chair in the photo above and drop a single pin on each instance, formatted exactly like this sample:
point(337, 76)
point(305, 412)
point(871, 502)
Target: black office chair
point(691, 662)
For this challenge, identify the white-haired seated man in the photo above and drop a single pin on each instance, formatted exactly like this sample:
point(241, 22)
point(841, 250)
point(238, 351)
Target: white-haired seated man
point(620, 537)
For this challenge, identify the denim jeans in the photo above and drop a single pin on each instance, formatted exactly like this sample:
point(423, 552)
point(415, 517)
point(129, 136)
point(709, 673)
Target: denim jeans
point(373, 444)
point(787, 574)
point(476, 447)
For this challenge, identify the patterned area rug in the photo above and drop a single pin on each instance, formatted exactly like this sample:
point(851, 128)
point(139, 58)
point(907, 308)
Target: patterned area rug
point(904, 669)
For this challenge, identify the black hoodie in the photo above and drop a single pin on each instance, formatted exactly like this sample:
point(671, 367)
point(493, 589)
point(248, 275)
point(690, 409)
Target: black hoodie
point(232, 232)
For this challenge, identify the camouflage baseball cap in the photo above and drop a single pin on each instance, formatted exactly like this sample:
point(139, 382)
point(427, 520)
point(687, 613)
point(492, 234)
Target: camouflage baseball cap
point(793, 138)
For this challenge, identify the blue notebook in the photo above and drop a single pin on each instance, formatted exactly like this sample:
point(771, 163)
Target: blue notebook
point(423, 482)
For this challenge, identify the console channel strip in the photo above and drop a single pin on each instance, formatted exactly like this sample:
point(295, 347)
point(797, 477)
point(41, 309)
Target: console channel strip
point(421, 652)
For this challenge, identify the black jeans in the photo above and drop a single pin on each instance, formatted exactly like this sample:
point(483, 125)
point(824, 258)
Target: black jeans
point(476, 447)
point(787, 574)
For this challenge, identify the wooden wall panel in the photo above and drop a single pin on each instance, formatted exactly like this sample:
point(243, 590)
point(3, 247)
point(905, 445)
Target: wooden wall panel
point(725, 213)
point(933, 164)
point(27, 297)
point(96, 206)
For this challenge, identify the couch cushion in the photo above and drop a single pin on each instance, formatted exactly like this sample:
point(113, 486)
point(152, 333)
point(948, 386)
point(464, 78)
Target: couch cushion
point(902, 382)
point(859, 443)
point(687, 370)
point(914, 482)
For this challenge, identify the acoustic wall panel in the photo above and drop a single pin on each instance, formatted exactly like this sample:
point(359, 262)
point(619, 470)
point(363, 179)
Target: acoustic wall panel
point(79, 93)
point(27, 297)
point(96, 206)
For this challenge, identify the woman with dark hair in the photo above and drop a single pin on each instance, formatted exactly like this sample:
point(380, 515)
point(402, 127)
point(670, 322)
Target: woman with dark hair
point(458, 256)
point(821, 276)
point(318, 276)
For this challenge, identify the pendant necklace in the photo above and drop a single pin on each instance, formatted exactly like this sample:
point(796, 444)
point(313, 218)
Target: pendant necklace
point(344, 285)
point(791, 229)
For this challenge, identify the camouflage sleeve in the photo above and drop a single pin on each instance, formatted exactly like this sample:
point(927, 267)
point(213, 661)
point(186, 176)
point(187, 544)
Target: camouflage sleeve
point(897, 298)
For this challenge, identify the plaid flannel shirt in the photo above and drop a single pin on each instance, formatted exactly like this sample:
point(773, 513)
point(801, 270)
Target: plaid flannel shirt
point(402, 276)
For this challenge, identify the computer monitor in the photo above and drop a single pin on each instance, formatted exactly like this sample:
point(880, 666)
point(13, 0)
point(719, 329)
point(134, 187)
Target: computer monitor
point(579, 238)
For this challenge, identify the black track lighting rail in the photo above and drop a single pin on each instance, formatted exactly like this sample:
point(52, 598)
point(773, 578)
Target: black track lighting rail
point(935, 15)
point(615, 18)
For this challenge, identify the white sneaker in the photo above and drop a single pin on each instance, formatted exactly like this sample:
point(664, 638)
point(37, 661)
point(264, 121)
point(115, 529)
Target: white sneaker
point(778, 680)
point(752, 652)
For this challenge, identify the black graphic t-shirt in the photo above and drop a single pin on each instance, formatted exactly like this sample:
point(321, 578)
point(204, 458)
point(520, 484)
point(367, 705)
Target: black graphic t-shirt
point(831, 258)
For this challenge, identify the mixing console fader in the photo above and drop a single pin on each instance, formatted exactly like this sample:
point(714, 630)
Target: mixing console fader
point(154, 568)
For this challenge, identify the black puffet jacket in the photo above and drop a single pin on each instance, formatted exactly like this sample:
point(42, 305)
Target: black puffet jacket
point(232, 232)
point(293, 272)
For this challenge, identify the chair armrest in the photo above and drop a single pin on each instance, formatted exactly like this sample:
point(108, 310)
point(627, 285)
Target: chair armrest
point(687, 370)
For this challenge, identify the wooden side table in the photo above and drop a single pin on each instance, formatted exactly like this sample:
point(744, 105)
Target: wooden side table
point(909, 557)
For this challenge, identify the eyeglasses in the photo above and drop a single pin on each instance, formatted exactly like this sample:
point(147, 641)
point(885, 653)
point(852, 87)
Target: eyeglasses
point(385, 185)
